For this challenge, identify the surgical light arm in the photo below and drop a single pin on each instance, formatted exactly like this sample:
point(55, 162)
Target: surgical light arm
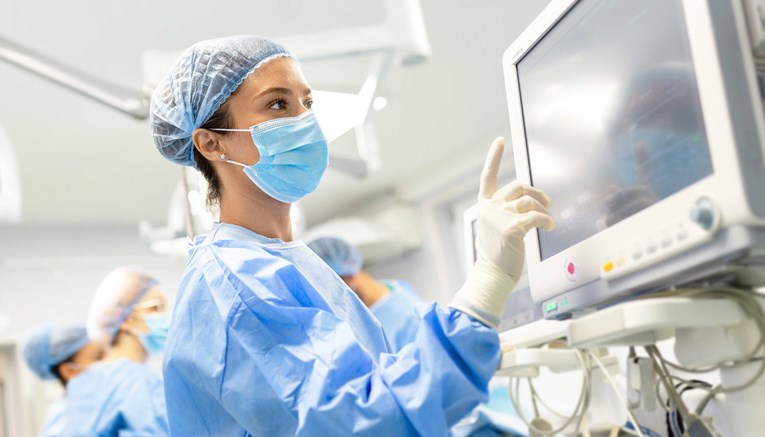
point(130, 102)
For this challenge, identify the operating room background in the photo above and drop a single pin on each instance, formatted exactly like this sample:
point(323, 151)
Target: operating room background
point(89, 174)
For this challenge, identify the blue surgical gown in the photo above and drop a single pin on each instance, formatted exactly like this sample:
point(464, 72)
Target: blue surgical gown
point(116, 398)
point(267, 341)
point(397, 313)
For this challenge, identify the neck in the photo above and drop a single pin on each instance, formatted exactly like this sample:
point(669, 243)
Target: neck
point(256, 211)
point(126, 346)
point(369, 290)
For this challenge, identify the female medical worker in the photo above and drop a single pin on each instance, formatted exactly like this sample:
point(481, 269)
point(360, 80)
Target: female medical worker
point(120, 396)
point(265, 339)
point(62, 353)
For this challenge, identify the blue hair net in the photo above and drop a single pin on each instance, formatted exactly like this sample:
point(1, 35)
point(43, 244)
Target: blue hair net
point(48, 347)
point(200, 82)
point(343, 258)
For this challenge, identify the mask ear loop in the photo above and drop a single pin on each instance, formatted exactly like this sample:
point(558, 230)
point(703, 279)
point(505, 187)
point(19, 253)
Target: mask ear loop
point(235, 163)
point(223, 155)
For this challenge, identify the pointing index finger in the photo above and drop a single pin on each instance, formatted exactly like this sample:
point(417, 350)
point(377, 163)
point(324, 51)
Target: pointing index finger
point(491, 168)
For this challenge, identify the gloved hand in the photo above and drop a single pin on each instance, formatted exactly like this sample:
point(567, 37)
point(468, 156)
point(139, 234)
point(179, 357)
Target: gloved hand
point(504, 217)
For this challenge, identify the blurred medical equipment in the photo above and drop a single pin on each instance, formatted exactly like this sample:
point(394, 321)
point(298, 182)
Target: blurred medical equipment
point(10, 181)
point(644, 123)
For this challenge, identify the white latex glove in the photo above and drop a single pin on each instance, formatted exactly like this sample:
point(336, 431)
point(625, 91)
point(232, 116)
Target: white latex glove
point(504, 217)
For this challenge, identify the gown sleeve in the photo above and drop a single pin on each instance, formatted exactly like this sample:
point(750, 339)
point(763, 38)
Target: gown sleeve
point(286, 353)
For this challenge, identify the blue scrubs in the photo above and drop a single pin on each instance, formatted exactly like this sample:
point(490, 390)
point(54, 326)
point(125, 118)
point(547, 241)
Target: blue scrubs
point(266, 340)
point(117, 398)
point(397, 313)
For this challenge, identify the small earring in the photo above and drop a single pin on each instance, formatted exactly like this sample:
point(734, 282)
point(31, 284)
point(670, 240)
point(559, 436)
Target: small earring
point(222, 156)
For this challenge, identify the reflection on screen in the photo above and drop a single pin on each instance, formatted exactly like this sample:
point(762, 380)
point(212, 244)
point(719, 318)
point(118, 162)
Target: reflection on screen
point(612, 115)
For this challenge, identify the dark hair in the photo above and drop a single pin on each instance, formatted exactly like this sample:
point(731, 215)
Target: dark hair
point(56, 370)
point(221, 119)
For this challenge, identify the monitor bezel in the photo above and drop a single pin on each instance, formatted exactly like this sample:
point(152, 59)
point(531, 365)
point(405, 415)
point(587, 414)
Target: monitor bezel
point(548, 278)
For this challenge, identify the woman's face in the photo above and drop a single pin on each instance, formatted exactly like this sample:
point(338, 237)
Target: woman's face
point(275, 90)
point(152, 302)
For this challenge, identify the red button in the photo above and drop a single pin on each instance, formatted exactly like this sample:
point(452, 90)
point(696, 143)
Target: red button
point(571, 268)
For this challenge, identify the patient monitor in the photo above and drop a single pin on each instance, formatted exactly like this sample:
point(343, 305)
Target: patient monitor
point(643, 121)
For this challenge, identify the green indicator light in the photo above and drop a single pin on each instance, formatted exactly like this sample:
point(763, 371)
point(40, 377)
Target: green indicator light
point(563, 303)
point(552, 306)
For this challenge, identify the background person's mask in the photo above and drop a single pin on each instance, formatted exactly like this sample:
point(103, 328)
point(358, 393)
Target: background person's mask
point(154, 340)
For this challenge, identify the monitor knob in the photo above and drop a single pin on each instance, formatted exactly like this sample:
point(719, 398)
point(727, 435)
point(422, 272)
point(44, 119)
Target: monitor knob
point(704, 214)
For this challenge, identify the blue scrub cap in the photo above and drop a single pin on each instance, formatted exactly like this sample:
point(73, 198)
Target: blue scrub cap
point(48, 347)
point(343, 258)
point(198, 84)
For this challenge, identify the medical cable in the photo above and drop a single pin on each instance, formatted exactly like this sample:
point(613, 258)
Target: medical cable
point(533, 399)
point(611, 381)
point(681, 409)
point(674, 427)
point(580, 410)
point(662, 371)
point(751, 306)
point(748, 301)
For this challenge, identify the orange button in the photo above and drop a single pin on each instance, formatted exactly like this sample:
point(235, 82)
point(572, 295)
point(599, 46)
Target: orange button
point(607, 267)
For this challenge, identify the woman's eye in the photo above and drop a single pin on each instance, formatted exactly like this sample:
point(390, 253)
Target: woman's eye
point(309, 104)
point(277, 105)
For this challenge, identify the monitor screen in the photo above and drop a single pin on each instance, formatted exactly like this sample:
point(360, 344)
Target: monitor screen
point(612, 114)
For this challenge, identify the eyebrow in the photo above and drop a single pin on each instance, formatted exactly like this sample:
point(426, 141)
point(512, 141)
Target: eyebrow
point(281, 90)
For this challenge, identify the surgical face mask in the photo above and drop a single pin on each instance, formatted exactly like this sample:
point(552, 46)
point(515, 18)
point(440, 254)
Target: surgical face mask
point(293, 156)
point(154, 340)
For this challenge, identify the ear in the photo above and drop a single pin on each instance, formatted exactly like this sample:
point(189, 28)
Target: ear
point(67, 371)
point(208, 144)
point(128, 325)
